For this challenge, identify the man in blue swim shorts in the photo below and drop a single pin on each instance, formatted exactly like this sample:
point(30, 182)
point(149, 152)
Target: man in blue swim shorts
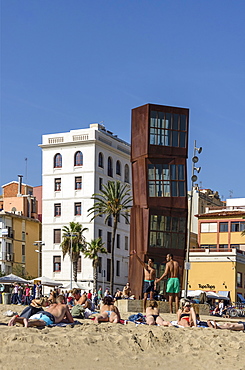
point(149, 278)
point(173, 284)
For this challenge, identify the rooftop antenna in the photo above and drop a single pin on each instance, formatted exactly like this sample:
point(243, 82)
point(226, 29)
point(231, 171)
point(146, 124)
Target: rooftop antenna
point(200, 184)
point(231, 193)
point(26, 169)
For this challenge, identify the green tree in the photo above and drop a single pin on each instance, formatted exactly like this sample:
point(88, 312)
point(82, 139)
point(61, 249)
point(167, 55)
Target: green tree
point(92, 251)
point(113, 200)
point(73, 233)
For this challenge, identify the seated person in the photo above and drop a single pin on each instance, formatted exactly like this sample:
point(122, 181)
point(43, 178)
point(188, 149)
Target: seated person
point(52, 296)
point(153, 317)
point(127, 293)
point(108, 311)
point(34, 307)
point(118, 294)
point(186, 315)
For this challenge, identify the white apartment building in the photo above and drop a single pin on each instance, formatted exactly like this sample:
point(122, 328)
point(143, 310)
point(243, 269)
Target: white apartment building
point(75, 165)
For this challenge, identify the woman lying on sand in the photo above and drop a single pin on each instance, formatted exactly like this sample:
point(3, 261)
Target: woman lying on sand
point(153, 317)
point(35, 306)
point(186, 315)
point(240, 325)
point(108, 311)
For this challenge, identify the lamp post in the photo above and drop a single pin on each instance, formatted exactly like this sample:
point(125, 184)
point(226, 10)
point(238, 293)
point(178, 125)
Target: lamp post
point(195, 159)
point(39, 243)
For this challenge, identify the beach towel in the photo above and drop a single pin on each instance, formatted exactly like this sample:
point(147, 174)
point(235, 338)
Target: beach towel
point(63, 324)
point(137, 318)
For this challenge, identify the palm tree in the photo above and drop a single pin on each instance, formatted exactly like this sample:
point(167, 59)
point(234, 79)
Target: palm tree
point(92, 251)
point(113, 201)
point(73, 234)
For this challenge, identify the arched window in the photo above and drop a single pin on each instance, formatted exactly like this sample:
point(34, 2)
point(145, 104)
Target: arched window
point(118, 168)
point(126, 173)
point(78, 159)
point(101, 160)
point(110, 168)
point(58, 160)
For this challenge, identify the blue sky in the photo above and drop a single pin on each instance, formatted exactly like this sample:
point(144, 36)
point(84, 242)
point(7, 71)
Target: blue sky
point(66, 64)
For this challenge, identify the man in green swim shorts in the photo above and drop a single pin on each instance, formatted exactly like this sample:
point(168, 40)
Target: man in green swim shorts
point(173, 284)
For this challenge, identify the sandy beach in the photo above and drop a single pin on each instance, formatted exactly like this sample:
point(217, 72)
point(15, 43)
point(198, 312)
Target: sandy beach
point(98, 346)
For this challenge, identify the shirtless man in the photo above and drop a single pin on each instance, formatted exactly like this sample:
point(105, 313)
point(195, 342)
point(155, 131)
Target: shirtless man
point(173, 284)
point(81, 299)
point(149, 278)
point(56, 313)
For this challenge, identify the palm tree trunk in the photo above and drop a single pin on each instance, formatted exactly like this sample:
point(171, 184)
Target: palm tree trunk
point(112, 254)
point(95, 278)
point(74, 263)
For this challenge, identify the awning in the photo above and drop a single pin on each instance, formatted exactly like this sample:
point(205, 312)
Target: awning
point(242, 299)
point(224, 293)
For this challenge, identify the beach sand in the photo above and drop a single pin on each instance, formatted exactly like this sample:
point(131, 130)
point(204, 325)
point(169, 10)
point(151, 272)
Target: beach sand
point(104, 345)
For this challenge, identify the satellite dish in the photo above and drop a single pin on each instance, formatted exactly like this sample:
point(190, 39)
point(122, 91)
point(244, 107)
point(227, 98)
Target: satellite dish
point(14, 209)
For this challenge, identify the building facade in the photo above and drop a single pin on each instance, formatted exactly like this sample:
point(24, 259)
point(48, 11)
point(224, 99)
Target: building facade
point(75, 165)
point(159, 215)
point(218, 263)
point(19, 229)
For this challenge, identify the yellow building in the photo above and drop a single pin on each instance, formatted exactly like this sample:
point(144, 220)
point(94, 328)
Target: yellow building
point(19, 229)
point(218, 264)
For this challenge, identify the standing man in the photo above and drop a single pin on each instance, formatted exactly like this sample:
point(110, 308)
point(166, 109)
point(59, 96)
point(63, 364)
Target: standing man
point(173, 285)
point(149, 278)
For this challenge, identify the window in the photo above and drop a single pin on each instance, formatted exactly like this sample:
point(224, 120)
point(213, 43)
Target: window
point(109, 241)
point(239, 280)
point(23, 236)
point(209, 227)
point(118, 268)
point(57, 184)
point(57, 236)
point(110, 167)
point(108, 270)
point(167, 231)
point(126, 173)
point(101, 160)
point(118, 168)
point(58, 160)
point(79, 264)
point(78, 183)
point(78, 159)
point(166, 180)
point(56, 263)
point(100, 183)
point(100, 233)
point(78, 209)
point(99, 264)
point(223, 246)
point(168, 129)
point(126, 243)
point(209, 246)
point(110, 221)
point(57, 209)
point(23, 255)
point(223, 227)
point(118, 241)
point(237, 226)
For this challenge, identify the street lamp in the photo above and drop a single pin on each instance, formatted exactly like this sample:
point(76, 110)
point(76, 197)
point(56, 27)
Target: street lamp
point(195, 159)
point(39, 244)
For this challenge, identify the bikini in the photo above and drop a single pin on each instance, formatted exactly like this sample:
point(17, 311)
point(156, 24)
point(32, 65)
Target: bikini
point(109, 313)
point(185, 316)
point(155, 317)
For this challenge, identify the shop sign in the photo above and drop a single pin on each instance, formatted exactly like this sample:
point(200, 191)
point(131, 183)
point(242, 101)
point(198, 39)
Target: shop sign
point(206, 286)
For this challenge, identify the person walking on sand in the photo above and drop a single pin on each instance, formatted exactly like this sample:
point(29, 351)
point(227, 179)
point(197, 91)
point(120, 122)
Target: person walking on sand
point(149, 278)
point(173, 285)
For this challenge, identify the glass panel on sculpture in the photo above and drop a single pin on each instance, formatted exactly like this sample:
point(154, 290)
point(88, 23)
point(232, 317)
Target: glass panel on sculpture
point(158, 171)
point(176, 121)
point(152, 239)
point(182, 224)
point(159, 188)
point(175, 138)
point(173, 172)
point(167, 240)
point(166, 172)
point(181, 243)
point(153, 122)
point(168, 121)
point(169, 138)
point(166, 189)
point(182, 122)
point(175, 222)
point(153, 224)
point(153, 136)
point(181, 173)
point(160, 137)
point(174, 240)
point(181, 186)
point(161, 119)
point(159, 239)
point(151, 189)
point(168, 223)
point(182, 136)
point(162, 225)
point(174, 189)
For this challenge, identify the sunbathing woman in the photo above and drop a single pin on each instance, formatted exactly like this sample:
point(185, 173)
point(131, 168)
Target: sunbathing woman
point(186, 315)
point(35, 306)
point(153, 317)
point(108, 311)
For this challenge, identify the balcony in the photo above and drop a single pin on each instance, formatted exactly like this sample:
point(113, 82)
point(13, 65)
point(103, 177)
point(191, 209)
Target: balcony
point(7, 257)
